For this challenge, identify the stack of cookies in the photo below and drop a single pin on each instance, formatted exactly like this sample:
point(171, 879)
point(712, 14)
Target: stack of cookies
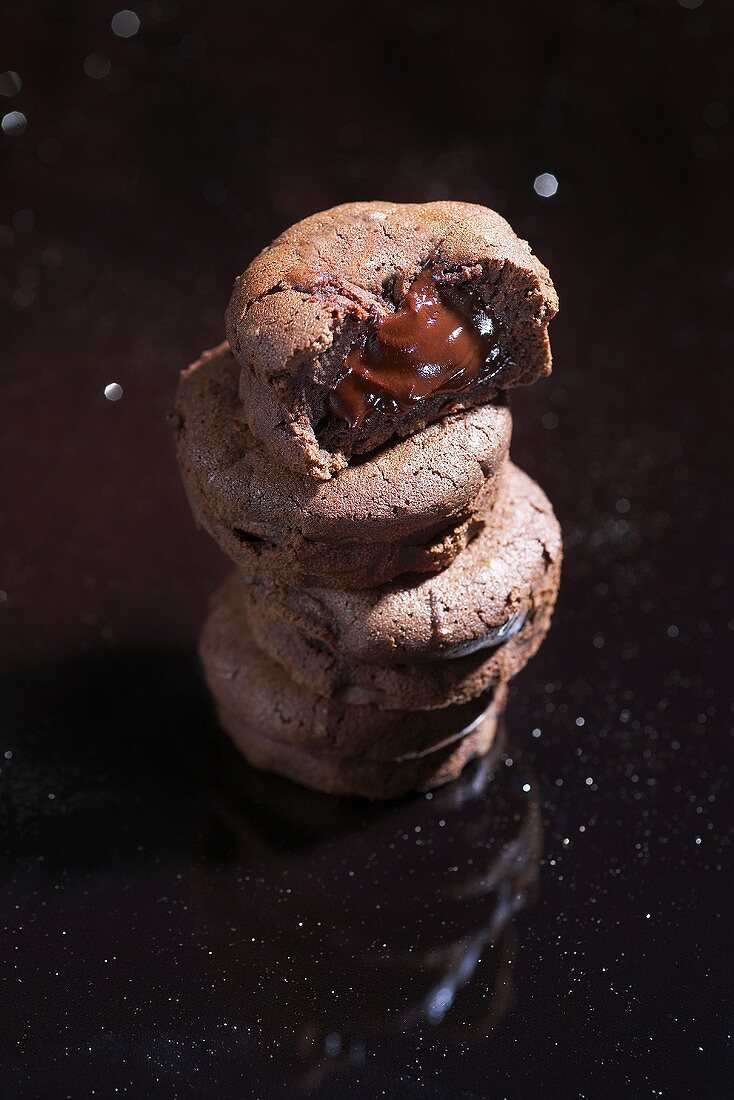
point(348, 448)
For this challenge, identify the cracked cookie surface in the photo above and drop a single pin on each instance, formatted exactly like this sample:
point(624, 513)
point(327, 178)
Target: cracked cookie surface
point(325, 743)
point(434, 642)
point(407, 508)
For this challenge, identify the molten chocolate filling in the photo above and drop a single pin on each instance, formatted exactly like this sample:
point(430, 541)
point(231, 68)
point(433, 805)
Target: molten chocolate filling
point(440, 340)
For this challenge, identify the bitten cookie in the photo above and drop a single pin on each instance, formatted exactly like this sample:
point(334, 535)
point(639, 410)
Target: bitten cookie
point(438, 641)
point(408, 508)
point(254, 694)
point(370, 320)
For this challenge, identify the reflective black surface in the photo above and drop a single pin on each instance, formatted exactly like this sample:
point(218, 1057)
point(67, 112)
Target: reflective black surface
point(178, 924)
point(174, 924)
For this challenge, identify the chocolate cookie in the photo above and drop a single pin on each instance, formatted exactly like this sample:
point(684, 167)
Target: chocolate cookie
point(437, 641)
point(408, 508)
point(256, 695)
point(368, 321)
point(363, 776)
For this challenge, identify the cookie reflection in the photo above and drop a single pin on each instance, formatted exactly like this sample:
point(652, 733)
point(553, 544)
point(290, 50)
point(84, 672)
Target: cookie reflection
point(351, 927)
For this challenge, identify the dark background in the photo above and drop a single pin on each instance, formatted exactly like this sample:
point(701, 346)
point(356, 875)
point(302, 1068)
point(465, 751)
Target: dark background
point(149, 172)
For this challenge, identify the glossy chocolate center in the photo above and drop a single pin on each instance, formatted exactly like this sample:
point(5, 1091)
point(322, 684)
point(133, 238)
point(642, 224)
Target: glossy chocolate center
point(440, 340)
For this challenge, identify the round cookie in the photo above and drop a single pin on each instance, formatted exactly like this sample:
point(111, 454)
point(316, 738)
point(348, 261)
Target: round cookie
point(373, 319)
point(438, 641)
point(257, 699)
point(409, 508)
point(363, 776)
